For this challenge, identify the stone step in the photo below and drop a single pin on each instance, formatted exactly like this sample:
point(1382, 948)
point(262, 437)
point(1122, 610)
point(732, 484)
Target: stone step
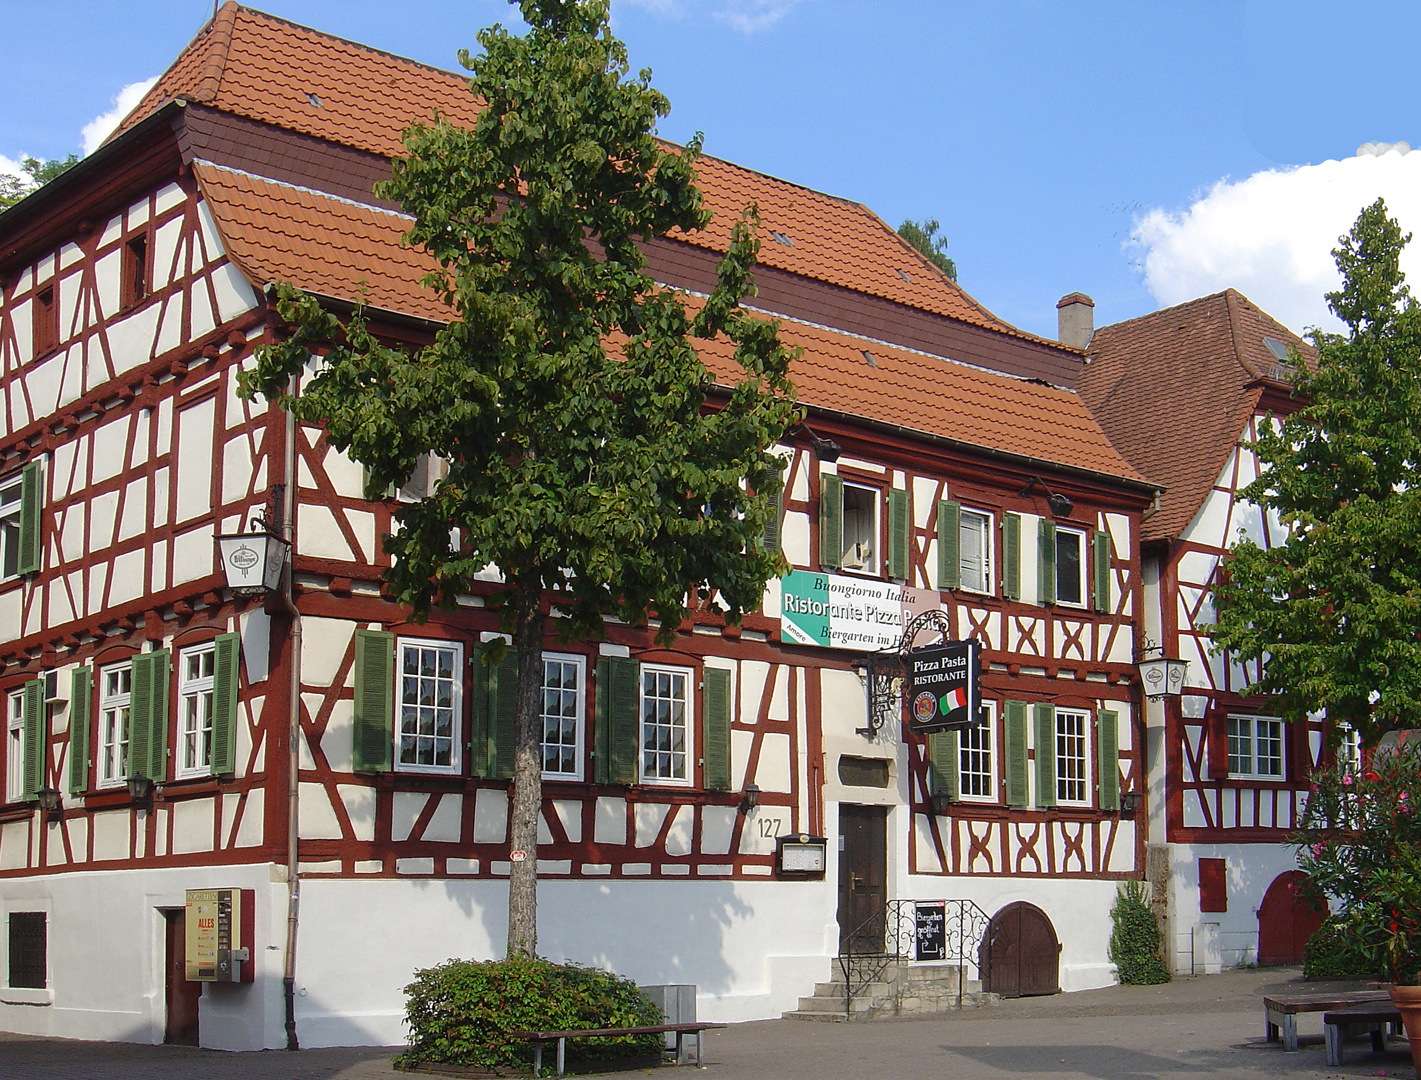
point(835, 1002)
point(830, 1017)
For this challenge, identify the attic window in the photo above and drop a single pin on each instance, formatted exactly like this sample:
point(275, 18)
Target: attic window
point(781, 238)
point(1277, 348)
point(903, 274)
point(315, 101)
point(869, 357)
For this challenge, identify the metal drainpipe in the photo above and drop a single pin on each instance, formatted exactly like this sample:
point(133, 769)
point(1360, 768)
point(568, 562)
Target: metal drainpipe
point(293, 735)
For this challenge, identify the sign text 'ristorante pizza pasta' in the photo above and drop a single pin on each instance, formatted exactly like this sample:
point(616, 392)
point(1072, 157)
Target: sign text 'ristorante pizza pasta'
point(942, 686)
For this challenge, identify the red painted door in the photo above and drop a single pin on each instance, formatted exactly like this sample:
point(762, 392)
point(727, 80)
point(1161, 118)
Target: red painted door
point(182, 996)
point(1286, 920)
point(1020, 956)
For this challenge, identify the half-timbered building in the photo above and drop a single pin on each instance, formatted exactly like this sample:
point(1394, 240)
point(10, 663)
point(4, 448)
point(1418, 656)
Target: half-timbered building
point(1181, 392)
point(154, 719)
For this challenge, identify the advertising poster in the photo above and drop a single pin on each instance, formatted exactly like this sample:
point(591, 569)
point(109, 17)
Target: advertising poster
point(836, 611)
point(942, 687)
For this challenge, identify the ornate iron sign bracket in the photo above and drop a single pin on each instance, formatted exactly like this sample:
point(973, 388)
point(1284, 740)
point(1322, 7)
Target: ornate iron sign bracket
point(883, 671)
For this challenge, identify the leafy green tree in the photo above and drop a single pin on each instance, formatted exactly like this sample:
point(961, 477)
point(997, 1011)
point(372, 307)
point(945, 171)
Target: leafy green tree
point(1336, 611)
point(39, 173)
point(566, 394)
point(923, 236)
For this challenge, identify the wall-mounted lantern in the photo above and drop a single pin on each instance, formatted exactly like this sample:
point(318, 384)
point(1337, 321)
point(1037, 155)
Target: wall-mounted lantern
point(1160, 675)
point(1130, 803)
point(1060, 505)
point(750, 799)
point(941, 803)
point(49, 801)
point(140, 788)
point(253, 561)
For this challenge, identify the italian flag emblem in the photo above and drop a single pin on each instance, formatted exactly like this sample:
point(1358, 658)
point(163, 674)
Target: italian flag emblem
point(954, 699)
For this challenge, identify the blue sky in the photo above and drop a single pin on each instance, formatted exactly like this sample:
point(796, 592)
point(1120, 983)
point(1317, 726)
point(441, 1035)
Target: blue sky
point(1143, 153)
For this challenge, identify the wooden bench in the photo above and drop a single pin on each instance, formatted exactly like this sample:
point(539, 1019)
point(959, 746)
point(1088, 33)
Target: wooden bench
point(1280, 1011)
point(1374, 1019)
point(538, 1038)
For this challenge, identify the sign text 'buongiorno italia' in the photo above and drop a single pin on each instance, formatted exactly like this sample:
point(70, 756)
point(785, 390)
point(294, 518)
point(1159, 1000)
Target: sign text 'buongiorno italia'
point(839, 612)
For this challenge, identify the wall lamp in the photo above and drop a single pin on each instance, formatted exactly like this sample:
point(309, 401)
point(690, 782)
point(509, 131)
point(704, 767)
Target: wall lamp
point(140, 788)
point(48, 800)
point(1060, 505)
point(1130, 803)
point(750, 799)
point(824, 449)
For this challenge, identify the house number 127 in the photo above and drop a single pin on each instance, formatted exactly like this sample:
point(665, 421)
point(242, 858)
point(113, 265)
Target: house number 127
point(769, 827)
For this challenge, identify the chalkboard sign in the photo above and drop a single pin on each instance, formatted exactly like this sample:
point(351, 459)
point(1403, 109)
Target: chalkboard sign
point(930, 931)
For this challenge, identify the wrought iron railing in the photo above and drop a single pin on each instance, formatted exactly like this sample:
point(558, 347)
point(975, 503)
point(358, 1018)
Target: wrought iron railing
point(892, 935)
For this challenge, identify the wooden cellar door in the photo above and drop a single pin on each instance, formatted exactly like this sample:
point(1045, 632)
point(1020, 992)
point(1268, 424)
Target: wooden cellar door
point(182, 996)
point(1285, 921)
point(863, 877)
point(1020, 956)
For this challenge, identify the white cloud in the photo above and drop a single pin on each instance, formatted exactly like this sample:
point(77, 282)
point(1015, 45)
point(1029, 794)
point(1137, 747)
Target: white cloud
point(12, 168)
point(100, 127)
point(747, 16)
point(1271, 235)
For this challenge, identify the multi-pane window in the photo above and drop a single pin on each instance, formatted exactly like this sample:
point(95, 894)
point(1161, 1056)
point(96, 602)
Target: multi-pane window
point(1071, 758)
point(1349, 749)
point(975, 551)
point(562, 716)
point(977, 777)
point(15, 747)
point(28, 943)
point(1256, 747)
point(665, 724)
point(116, 689)
point(10, 527)
point(428, 706)
point(1070, 567)
point(196, 671)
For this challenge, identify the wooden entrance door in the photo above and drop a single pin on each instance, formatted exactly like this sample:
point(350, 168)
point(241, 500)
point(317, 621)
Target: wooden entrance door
point(182, 996)
point(1020, 956)
point(1286, 920)
point(863, 877)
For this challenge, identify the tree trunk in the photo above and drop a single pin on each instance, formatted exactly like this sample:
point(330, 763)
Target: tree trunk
point(527, 768)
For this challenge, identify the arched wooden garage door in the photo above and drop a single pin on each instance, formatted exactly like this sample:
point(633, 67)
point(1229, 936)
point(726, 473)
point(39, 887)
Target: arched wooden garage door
point(1286, 920)
point(1020, 956)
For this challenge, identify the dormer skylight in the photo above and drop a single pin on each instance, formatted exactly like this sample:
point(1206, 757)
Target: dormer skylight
point(781, 238)
point(315, 101)
point(903, 274)
point(1277, 348)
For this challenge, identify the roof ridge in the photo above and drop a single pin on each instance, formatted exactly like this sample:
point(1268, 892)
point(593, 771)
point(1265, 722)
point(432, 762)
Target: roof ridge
point(220, 30)
point(347, 41)
point(1231, 296)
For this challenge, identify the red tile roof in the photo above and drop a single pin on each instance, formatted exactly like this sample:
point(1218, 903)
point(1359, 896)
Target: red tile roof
point(1175, 389)
point(330, 246)
point(257, 66)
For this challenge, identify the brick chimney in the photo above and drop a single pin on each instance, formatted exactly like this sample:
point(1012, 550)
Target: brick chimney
point(1075, 319)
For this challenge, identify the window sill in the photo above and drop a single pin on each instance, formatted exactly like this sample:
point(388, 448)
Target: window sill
point(19, 995)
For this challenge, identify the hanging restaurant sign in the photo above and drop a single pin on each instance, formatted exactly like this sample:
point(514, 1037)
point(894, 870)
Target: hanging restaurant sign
point(942, 686)
point(835, 611)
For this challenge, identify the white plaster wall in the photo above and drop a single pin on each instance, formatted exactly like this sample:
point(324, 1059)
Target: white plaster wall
point(1251, 868)
point(106, 974)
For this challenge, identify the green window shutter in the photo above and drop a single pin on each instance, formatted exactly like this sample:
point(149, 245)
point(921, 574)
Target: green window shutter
point(623, 720)
point(715, 702)
point(157, 767)
point(898, 533)
point(36, 738)
point(373, 735)
point(503, 714)
point(771, 536)
point(80, 718)
point(1011, 556)
point(1014, 714)
point(140, 715)
point(31, 503)
point(1102, 571)
point(831, 521)
point(943, 764)
point(949, 545)
point(1046, 562)
point(227, 660)
point(1107, 742)
point(480, 751)
point(1045, 716)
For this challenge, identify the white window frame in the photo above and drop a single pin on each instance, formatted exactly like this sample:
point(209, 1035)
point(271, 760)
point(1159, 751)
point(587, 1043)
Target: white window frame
point(1349, 749)
point(455, 706)
point(982, 526)
point(977, 758)
point(688, 702)
point(195, 710)
point(1073, 770)
point(1244, 747)
point(1078, 537)
point(15, 746)
point(115, 723)
point(10, 489)
point(579, 704)
point(874, 531)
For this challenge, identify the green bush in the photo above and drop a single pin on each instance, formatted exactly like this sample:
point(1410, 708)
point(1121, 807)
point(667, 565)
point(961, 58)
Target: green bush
point(1135, 943)
point(460, 1013)
point(1331, 952)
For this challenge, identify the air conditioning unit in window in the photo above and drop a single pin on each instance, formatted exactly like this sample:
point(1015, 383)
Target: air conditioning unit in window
point(54, 693)
point(858, 557)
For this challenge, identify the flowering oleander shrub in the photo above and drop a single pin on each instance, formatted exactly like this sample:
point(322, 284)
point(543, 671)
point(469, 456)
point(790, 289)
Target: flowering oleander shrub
point(1360, 845)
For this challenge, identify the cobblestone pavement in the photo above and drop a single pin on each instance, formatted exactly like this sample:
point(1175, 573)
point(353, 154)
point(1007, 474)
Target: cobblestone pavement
point(1210, 1026)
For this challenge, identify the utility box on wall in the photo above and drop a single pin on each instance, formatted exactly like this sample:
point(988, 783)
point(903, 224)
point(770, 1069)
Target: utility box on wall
point(219, 935)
